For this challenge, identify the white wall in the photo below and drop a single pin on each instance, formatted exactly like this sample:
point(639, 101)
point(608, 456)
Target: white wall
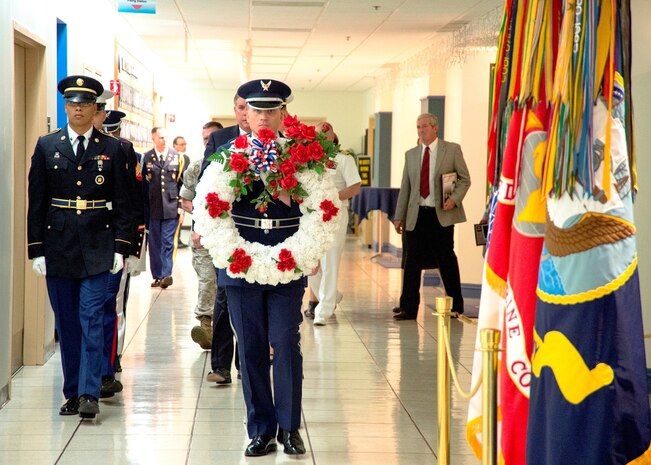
point(641, 77)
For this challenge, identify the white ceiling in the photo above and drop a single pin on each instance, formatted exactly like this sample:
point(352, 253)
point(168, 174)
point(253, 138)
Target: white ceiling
point(321, 45)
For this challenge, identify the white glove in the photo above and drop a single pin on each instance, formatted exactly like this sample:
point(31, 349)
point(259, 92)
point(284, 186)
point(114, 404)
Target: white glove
point(38, 266)
point(118, 263)
point(130, 265)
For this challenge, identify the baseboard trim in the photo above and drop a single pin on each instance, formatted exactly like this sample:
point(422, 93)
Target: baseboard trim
point(4, 395)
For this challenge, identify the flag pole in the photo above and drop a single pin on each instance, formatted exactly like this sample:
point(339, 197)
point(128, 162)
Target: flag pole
point(443, 307)
point(490, 346)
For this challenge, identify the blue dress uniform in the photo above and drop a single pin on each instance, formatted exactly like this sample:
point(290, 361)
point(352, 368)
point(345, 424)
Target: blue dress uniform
point(70, 225)
point(110, 362)
point(264, 315)
point(268, 315)
point(163, 176)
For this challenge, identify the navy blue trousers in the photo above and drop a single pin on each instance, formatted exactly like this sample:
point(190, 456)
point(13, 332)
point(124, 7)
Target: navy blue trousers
point(161, 246)
point(110, 322)
point(263, 316)
point(78, 311)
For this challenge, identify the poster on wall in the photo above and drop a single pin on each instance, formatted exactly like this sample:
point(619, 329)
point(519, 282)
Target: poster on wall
point(135, 98)
point(137, 6)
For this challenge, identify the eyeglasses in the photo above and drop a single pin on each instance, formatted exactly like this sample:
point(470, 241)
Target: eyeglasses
point(80, 104)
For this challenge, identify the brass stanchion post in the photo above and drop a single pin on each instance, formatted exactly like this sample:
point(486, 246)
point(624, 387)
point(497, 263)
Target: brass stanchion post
point(490, 344)
point(443, 307)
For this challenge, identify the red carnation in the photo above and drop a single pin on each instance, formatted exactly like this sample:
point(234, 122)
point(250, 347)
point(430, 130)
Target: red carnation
point(329, 210)
point(288, 183)
point(287, 168)
point(266, 135)
point(308, 132)
point(299, 154)
point(241, 142)
point(290, 121)
point(316, 151)
point(239, 163)
point(216, 206)
point(292, 132)
point(286, 261)
point(240, 262)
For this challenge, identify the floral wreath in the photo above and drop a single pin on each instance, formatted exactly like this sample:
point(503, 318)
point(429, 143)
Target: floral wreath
point(299, 165)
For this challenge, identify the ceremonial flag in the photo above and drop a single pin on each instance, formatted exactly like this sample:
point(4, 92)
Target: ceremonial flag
point(589, 396)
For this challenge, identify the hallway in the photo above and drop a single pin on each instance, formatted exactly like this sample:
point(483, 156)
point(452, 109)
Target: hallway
point(369, 391)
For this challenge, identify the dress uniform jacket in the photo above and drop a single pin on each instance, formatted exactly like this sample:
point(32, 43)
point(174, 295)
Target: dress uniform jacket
point(165, 178)
point(136, 202)
point(276, 210)
point(80, 240)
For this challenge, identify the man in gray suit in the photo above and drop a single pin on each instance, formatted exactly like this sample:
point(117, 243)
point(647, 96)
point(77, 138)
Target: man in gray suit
point(427, 217)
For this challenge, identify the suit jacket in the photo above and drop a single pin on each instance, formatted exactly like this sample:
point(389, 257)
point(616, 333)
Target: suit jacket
point(164, 178)
point(449, 158)
point(75, 242)
point(215, 141)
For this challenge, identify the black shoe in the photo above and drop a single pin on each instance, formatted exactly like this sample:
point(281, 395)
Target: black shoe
point(166, 282)
point(292, 441)
point(260, 445)
point(88, 406)
point(396, 310)
point(155, 283)
point(309, 311)
point(220, 376)
point(118, 364)
point(110, 386)
point(404, 316)
point(71, 407)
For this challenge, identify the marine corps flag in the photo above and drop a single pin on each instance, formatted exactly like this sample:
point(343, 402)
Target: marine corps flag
point(589, 399)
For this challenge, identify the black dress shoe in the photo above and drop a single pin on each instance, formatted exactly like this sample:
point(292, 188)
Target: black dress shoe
point(396, 310)
point(309, 311)
point(166, 282)
point(155, 283)
point(404, 316)
point(292, 441)
point(110, 386)
point(70, 407)
point(260, 445)
point(88, 406)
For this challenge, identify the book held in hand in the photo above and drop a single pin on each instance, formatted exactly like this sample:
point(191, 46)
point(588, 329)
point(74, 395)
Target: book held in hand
point(448, 183)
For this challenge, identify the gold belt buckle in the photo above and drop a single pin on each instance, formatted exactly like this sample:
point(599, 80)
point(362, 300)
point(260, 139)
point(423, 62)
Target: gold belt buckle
point(266, 223)
point(82, 204)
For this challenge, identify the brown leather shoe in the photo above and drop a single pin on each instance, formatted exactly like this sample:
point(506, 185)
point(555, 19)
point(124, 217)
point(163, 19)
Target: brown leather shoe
point(166, 282)
point(155, 283)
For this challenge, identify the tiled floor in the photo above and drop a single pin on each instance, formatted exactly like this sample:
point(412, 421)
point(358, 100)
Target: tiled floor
point(369, 390)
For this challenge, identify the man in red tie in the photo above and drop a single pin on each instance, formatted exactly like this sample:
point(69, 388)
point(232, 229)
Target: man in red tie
point(428, 216)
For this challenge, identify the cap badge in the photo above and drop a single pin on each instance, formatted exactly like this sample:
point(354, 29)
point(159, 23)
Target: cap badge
point(265, 87)
point(80, 82)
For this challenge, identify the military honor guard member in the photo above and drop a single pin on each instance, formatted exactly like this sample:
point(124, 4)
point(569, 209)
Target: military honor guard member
point(162, 170)
point(265, 315)
point(136, 263)
point(74, 240)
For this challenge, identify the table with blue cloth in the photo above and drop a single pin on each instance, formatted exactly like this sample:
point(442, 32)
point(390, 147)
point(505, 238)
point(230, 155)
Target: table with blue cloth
point(370, 199)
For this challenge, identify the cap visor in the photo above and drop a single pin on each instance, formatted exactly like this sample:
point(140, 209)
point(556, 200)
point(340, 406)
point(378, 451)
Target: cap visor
point(80, 98)
point(261, 105)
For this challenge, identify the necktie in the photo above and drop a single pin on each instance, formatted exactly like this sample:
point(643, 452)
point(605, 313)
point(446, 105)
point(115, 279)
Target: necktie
point(424, 175)
point(80, 147)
